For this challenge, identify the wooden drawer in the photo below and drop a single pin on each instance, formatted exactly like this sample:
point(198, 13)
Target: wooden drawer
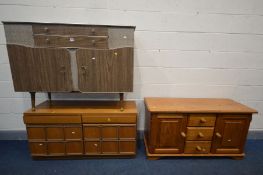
point(92, 147)
point(74, 148)
point(197, 147)
point(127, 132)
point(51, 119)
point(36, 133)
point(92, 132)
point(69, 30)
point(199, 133)
point(75, 42)
point(109, 119)
point(73, 133)
point(127, 147)
point(38, 148)
point(56, 148)
point(55, 133)
point(201, 120)
point(109, 147)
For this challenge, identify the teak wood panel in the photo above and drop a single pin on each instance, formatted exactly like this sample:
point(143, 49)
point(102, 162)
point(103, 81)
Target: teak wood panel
point(230, 134)
point(40, 69)
point(105, 70)
point(57, 29)
point(106, 118)
point(71, 42)
point(51, 119)
point(169, 137)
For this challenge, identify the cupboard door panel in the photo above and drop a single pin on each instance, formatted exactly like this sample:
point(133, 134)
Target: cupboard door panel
point(109, 147)
point(38, 148)
point(105, 70)
point(127, 132)
point(36, 133)
point(55, 133)
point(171, 135)
point(127, 147)
point(73, 133)
point(74, 148)
point(92, 147)
point(92, 132)
point(108, 132)
point(230, 134)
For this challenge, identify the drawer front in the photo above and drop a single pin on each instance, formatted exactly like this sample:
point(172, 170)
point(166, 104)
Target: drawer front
point(75, 42)
point(127, 132)
point(199, 133)
point(56, 148)
point(55, 133)
point(69, 30)
point(92, 147)
point(201, 120)
point(73, 133)
point(197, 147)
point(47, 119)
point(109, 119)
point(74, 148)
point(92, 132)
point(36, 133)
point(109, 147)
point(127, 147)
point(38, 148)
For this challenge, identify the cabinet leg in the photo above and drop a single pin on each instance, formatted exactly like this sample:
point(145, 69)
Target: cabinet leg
point(121, 101)
point(153, 158)
point(238, 157)
point(33, 100)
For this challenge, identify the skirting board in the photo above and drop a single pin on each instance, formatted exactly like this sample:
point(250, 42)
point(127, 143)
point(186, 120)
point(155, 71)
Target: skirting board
point(21, 135)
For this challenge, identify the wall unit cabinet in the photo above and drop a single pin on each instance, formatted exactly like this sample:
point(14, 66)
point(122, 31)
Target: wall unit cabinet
point(65, 58)
point(196, 127)
point(74, 128)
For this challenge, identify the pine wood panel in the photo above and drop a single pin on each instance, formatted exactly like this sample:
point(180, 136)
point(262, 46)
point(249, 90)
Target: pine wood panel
point(38, 148)
point(74, 148)
point(196, 105)
point(105, 70)
point(51, 119)
point(201, 120)
point(199, 133)
point(36, 133)
point(73, 133)
point(197, 147)
point(40, 69)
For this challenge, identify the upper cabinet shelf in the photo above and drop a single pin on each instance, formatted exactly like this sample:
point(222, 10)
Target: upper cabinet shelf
point(66, 57)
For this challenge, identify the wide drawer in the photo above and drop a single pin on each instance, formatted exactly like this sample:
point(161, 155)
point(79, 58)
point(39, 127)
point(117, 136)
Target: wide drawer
point(48, 119)
point(69, 30)
point(201, 120)
point(199, 133)
point(107, 118)
point(197, 147)
point(68, 41)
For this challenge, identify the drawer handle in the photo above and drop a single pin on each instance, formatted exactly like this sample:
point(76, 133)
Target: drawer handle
point(201, 135)
point(108, 119)
point(229, 140)
point(46, 29)
point(93, 58)
point(218, 135)
point(183, 134)
point(40, 144)
point(73, 132)
point(71, 39)
point(47, 40)
point(203, 120)
point(124, 37)
point(93, 42)
point(116, 53)
point(198, 148)
point(95, 144)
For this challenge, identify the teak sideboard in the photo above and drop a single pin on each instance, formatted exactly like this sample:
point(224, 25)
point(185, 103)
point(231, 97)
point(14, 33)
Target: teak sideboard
point(196, 127)
point(82, 129)
point(49, 57)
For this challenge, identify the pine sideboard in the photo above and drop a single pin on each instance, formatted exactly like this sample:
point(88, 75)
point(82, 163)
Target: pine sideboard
point(82, 129)
point(196, 127)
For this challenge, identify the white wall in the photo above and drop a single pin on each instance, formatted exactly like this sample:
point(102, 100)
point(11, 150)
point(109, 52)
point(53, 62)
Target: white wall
point(183, 48)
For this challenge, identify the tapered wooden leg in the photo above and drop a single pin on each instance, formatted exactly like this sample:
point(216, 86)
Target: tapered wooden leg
point(238, 157)
point(33, 100)
point(121, 101)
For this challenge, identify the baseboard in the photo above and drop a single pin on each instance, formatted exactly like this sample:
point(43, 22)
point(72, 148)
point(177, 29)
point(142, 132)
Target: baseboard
point(21, 135)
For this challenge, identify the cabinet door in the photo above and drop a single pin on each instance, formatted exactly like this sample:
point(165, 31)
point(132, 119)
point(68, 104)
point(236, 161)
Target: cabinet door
point(105, 70)
point(230, 134)
point(171, 134)
point(40, 69)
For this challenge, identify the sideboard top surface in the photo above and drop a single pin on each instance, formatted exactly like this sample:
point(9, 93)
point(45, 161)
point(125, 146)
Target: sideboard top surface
point(196, 105)
point(68, 107)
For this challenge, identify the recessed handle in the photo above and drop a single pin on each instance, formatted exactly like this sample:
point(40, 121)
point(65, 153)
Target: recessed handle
point(183, 134)
point(218, 135)
point(201, 135)
point(202, 120)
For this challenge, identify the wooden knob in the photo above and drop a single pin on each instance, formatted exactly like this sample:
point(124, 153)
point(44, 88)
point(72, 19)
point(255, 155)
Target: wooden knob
point(47, 40)
point(202, 120)
point(108, 119)
point(40, 144)
point(116, 53)
point(95, 144)
point(183, 134)
point(201, 135)
point(124, 37)
point(73, 132)
point(218, 135)
point(198, 148)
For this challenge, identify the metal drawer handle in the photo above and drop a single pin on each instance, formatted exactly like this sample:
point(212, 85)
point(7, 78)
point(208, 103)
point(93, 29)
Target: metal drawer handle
point(203, 120)
point(71, 39)
point(201, 135)
point(47, 40)
point(116, 53)
point(73, 132)
point(93, 58)
point(229, 140)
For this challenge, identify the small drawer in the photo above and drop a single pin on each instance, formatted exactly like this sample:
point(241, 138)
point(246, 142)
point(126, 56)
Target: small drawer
point(36, 133)
point(55, 133)
point(199, 133)
point(127, 147)
point(91, 132)
point(38, 148)
point(71, 42)
point(56, 148)
point(51, 119)
point(92, 147)
point(73, 133)
point(74, 148)
point(69, 30)
point(109, 119)
point(197, 147)
point(201, 120)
